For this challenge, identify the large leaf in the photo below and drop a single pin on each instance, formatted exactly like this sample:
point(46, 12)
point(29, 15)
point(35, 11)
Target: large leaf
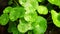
point(42, 10)
point(30, 16)
point(40, 25)
point(24, 26)
point(55, 17)
point(4, 18)
point(16, 13)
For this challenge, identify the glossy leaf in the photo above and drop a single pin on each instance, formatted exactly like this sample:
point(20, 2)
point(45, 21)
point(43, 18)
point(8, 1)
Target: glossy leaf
point(16, 13)
point(42, 10)
point(40, 25)
point(30, 16)
point(55, 18)
point(24, 26)
point(7, 10)
point(4, 18)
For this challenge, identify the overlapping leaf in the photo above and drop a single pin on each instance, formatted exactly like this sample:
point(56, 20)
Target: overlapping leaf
point(13, 29)
point(30, 5)
point(4, 18)
point(40, 25)
point(16, 13)
point(30, 16)
point(24, 26)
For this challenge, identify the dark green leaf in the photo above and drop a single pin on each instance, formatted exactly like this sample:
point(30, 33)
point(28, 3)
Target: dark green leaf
point(4, 18)
point(40, 25)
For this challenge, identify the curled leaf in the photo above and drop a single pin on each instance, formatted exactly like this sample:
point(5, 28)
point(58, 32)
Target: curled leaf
point(55, 18)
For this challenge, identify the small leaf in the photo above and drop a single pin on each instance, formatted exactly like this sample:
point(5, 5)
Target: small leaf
point(42, 10)
point(7, 10)
point(55, 18)
point(24, 26)
point(40, 25)
point(12, 28)
point(4, 18)
point(10, 2)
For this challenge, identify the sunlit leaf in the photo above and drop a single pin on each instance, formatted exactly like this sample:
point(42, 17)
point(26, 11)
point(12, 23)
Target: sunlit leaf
point(30, 5)
point(40, 25)
point(24, 26)
point(55, 18)
point(42, 10)
point(30, 16)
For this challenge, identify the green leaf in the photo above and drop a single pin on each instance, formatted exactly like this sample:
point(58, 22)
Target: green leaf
point(30, 32)
point(56, 2)
point(58, 17)
point(24, 26)
point(30, 5)
point(7, 10)
point(40, 25)
point(30, 16)
point(17, 12)
point(10, 2)
point(40, 0)
point(12, 28)
point(4, 18)
point(55, 18)
point(42, 10)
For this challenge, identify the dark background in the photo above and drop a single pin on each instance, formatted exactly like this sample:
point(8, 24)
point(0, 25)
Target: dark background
point(51, 29)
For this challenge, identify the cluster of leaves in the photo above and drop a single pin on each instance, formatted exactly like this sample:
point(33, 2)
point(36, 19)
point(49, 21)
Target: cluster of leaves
point(27, 16)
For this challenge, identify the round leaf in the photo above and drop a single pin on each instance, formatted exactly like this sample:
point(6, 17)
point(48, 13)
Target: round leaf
point(42, 10)
point(4, 18)
point(40, 25)
point(30, 16)
point(7, 10)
